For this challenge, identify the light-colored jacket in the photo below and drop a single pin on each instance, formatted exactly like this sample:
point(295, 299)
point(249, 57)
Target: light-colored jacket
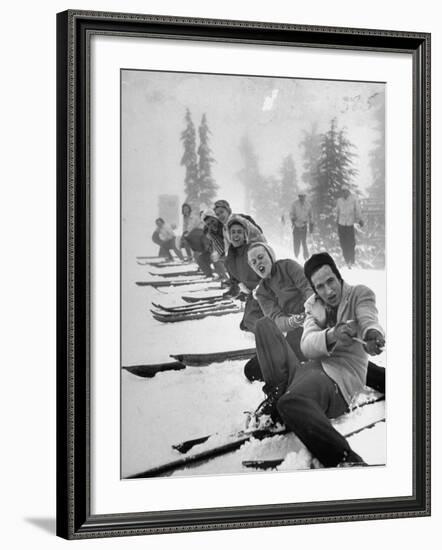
point(348, 211)
point(346, 365)
point(166, 233)
point(301, 213)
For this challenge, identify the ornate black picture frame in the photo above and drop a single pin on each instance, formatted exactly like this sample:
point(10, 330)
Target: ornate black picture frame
point(74, 32)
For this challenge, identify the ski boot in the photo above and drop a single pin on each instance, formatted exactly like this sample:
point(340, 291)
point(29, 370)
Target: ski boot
point(266, 416)
point(351, 459)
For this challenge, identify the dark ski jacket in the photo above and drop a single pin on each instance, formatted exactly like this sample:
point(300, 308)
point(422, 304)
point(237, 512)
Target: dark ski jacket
point(197, 240)
point(240, 272)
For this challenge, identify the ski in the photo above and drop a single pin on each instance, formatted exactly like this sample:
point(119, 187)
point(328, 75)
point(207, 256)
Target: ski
point(235, 443)
point(200, 309)
point(190, 360)
point(194, 306)
point(162, 264)
point(202, 456)
point(170, 274)
point(201, 298)
point(203, 359)
point(179, 263)
point(156, 284)
point(272, 463)
point(193, 316)
point(149, 371)
point(185, 446)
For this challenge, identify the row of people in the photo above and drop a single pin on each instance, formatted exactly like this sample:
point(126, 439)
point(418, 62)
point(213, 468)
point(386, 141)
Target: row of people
point(313, 331)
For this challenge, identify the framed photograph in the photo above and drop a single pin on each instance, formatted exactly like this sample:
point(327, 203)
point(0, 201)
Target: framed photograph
point(243, 274)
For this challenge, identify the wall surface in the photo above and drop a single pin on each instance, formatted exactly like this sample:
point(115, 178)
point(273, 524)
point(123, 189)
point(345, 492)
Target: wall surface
point(28, 276)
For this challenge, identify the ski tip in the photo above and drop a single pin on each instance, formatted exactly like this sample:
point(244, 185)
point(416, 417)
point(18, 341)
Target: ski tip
point(269, 464)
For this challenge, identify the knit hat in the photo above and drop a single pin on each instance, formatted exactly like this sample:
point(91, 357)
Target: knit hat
point(315, 262)
point(222, 204)
point(267, 247)
point(208, 213)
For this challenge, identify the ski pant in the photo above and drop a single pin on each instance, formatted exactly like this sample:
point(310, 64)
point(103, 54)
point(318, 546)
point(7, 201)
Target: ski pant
point(203, 261)
point(252, 314)
point(300, 237)
point(311, 397)
point(184, 244)
point(347, 241)
point(171, 245)
point(220, 269)
point(252, 369)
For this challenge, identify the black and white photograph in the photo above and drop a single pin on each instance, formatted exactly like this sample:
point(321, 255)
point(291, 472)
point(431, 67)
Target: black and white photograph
point(253, 274)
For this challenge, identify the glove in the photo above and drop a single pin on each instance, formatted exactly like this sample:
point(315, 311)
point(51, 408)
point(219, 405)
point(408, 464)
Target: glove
point(374, 342)
point(296, 320)
point(344, 332)
point(311, 227)
point(215, 257)
point(244, 289)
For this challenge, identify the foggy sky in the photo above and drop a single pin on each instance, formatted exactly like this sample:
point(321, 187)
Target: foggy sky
point(273, 112)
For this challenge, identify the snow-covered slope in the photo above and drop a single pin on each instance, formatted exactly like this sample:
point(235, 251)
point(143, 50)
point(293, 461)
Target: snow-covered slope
point(177, 405)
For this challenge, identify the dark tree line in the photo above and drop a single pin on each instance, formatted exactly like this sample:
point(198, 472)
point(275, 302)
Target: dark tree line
point(199, 184)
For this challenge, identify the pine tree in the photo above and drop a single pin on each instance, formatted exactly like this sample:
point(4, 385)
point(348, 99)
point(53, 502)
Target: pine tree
point(189, 161)
point(289, 185)
point(334, 170)
point(206, 183)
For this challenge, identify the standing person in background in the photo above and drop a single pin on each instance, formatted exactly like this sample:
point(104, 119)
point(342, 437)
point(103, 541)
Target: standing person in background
point(167, 238)
point(301, 217)
point(189, 223)
point(162, 252)
point(224, 214)
point(348, 213)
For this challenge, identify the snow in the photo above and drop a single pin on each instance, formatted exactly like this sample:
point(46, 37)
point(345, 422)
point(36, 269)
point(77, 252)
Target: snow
point(174, 406)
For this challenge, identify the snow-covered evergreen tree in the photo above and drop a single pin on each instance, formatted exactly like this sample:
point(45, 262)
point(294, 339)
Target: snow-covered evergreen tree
point(334, 170)
point(189, 161)
point(206, 183)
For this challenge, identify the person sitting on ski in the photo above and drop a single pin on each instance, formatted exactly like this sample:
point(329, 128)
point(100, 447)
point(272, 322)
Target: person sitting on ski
point(341, 329)
point(281, 294)
point(213, 229)
point(242, 277)
point(190, 221)
point(224, 214)
point(200, 245)
point(167, 238)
